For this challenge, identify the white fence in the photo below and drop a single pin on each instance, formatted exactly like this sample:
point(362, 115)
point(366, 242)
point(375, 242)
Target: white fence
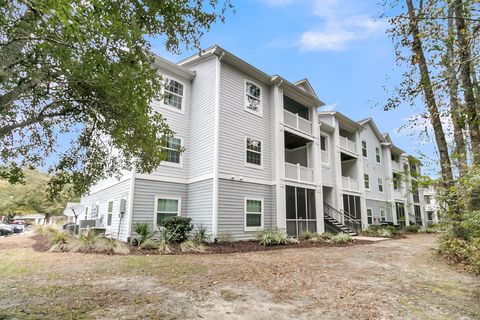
point(350, 184)
point(298, 173)
point(348, 144)
point(295, 121)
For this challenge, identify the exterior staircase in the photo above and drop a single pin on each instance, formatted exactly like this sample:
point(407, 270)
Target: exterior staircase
point(340, 221)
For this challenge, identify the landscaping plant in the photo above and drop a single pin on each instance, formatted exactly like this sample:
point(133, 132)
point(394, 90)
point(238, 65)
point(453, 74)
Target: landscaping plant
point(192, 246)
point(143, 232)
point(179, 227)
point(200, 234)
point(341, 238)
point(275, 236)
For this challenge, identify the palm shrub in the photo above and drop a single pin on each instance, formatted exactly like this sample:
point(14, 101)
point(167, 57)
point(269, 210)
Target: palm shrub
point(150, 244)
point(200, 234)
point(341, 238)
point(307, 235)
point(274, 236)
point(58, 240)
point(192, 246)
point(143, 232)
point(178, 226)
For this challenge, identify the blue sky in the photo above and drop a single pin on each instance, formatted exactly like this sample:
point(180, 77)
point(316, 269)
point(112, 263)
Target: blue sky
point(339, 45)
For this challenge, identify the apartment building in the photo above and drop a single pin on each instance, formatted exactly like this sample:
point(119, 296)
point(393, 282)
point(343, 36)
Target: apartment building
point(432, 205)
point(257, 154)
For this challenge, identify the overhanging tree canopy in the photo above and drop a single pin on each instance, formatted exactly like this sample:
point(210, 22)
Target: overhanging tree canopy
point(80, 73)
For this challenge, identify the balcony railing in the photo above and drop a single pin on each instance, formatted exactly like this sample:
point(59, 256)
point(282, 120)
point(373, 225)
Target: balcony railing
point(350, 184)
point(295, 121)
point(348, 144)
point(298, 173)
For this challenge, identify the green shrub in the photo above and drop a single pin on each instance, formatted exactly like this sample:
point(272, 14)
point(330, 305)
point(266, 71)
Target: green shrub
point(379, 231)
point(192, 246)
point(58, 240)
point(178, 226)
point(150, 244)
point(413, 228)
point(461, 250)
point(225, 237)
point(274, 236)
point(143, 232)
point(46, 230)
point(384, 233)
point(307, 235)
point(341, 238)
point(200, 234)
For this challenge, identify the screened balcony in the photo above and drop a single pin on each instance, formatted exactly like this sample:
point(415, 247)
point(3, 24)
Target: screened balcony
point(297, 116)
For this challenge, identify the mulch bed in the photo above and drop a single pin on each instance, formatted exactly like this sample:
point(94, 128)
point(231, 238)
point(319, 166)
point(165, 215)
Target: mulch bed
point(248, 246)
point(41, 243)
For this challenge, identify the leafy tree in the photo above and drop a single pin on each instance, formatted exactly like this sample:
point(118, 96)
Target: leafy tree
point(80, 73)
point(31, 196)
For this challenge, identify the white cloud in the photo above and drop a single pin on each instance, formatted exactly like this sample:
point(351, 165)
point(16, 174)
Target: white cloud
point(341, 22)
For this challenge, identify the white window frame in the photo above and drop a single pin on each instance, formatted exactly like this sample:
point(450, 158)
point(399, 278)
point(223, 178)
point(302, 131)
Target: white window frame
point(365, 175)
point(245, 228)
point(366, 148)
point(162, 197)
point(383, 215)
point(378, 155)
point(252, 165)
point(326, 147)
point(371, 215)
point(245, 100)
point(109, 213)
point(173, 164)
point(380, 183)
point(86, 212)
point(166, 106)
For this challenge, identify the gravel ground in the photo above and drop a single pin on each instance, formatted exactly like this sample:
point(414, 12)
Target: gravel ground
point(395, 279)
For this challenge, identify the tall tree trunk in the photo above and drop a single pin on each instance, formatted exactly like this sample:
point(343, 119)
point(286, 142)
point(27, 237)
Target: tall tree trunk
point(455, 107)
point(465, 78)
point(476, 86)
point(426, 83)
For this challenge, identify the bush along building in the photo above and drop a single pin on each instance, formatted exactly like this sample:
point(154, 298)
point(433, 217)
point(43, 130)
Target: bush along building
point(258, 154)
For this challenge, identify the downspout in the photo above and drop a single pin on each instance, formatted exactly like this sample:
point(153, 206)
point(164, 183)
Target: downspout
point(216, 148)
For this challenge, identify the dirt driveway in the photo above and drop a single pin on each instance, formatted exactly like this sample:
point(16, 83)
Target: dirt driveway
point(396, 279)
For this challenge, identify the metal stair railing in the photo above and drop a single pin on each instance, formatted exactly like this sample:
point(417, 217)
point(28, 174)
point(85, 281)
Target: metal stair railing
point(343, 217)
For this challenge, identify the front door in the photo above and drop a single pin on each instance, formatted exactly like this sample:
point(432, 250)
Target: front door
point(301, 213)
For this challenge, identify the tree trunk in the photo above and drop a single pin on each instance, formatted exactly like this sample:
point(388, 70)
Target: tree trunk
point(465, 78)
point(426, 83)
point(455, 107)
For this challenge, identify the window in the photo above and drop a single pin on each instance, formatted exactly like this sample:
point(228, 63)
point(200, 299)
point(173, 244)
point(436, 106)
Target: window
point(86, 213)
point(253, 98)
point(173, 94)
point(323, 149)
point(109, 213)
point(394, 157)
point(369, 216)
point(427, 199)
point(377, 155)
point(396, 181)
point(323, 143)
point(383, 215)
point(253, 214)
point(173, 147)
point(380, 184)
point(366, 178)
point(254, 152)
point(364, 149)
point(166, 207)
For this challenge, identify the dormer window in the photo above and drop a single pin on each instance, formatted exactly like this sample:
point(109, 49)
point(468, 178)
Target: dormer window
point(253, 97)
point(173, 94)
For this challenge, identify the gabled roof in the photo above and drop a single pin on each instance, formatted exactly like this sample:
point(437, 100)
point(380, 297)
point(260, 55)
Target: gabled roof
point(305, 84)
point(174, 68)
point(303, 94)
point(387, 138)
point(341, 117)
point(373, 126)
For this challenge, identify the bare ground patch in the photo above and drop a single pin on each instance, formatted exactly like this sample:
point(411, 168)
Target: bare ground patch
point(397, 279)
